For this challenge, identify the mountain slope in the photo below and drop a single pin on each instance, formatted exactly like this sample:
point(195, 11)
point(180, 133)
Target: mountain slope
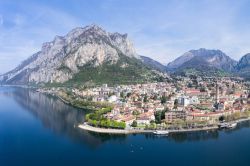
point(180, 60)
point(203, 61)
point(243, 66)
point(153, 63)
point(125, 71)
point(78, 55)
point(199, 66)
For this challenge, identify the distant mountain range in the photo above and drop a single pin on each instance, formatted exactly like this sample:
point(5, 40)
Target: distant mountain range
point(211, 58)
point(92, 55)
point(208, 62)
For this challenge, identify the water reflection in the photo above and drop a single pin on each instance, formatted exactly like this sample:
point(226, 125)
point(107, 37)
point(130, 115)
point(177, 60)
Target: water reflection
point(54, 114)
point(187, 136)
point(63, 120)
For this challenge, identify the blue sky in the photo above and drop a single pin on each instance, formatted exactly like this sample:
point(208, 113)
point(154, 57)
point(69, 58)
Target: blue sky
point(160, 29)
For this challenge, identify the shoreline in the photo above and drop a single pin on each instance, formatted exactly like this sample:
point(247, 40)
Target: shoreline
point(136, 131)
point(87, 127)
point(65, 101)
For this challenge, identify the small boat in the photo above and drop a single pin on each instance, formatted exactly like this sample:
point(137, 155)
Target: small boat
point(227, 125)
point(232, 125)
point(161, 132)
point(223, 125)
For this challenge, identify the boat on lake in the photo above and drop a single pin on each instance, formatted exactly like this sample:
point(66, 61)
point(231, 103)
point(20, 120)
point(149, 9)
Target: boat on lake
point(227, 125)
point(161, 132)
point(232, 125)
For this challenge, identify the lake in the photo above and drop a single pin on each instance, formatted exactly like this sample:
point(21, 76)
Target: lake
point(38, 129)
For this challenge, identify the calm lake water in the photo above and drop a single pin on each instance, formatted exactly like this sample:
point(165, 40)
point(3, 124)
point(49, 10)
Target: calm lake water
point(37, 129)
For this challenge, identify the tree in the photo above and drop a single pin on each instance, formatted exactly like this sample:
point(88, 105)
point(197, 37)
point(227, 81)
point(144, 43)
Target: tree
point(135, 113)
point(102, 123)
point(175, 103)
point(134, 124)
point(94, 122)
point(163, 99)
point(158, 117)
point(193, 76)
point(152, 121)
point(145, 99)
point(221, 118)
point(128, 94)
point(122, 95)
point(163, 113)
point(108, 123)
point(122, 125)
point(189, 85)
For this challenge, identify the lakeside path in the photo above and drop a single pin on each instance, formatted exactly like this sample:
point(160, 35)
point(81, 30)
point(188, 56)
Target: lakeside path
point(111, 131)
point(87, 127)
point(132, 131)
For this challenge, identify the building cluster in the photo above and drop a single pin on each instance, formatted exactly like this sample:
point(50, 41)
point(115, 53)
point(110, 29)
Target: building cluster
point(184, 99)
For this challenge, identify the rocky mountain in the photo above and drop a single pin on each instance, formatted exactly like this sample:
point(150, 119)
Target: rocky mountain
point(153, 63)
point(243, 66)
point(88, 54)
point(203, 60)
point(180, 60)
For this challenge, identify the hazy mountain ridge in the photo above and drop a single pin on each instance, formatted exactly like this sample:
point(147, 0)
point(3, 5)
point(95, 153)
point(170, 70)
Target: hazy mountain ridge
point(213, 58)
point(210, 63)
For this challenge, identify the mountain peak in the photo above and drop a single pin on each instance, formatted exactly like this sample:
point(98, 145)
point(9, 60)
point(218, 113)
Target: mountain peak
point(95, 28)
point(244, 61)
point(243, 66)
point(205, 52)
point(210, 58)
point(65, 56)
point(247, 55)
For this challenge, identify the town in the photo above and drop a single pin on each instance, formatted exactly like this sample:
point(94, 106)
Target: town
point(184, 102)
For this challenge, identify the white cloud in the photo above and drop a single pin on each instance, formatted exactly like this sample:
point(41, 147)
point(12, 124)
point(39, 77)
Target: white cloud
point(29, 30)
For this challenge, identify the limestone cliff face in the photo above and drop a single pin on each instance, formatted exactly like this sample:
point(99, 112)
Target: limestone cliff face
point(63, 57)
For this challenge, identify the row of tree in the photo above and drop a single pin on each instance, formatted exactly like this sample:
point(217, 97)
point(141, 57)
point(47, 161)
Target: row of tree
point(97, 119)
point(107, 123)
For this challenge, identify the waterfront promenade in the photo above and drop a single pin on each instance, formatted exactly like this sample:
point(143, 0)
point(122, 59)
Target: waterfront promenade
point(87, 127)
point(131, 131)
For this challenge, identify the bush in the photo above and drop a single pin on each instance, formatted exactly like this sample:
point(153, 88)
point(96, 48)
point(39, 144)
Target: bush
point(134, 124)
